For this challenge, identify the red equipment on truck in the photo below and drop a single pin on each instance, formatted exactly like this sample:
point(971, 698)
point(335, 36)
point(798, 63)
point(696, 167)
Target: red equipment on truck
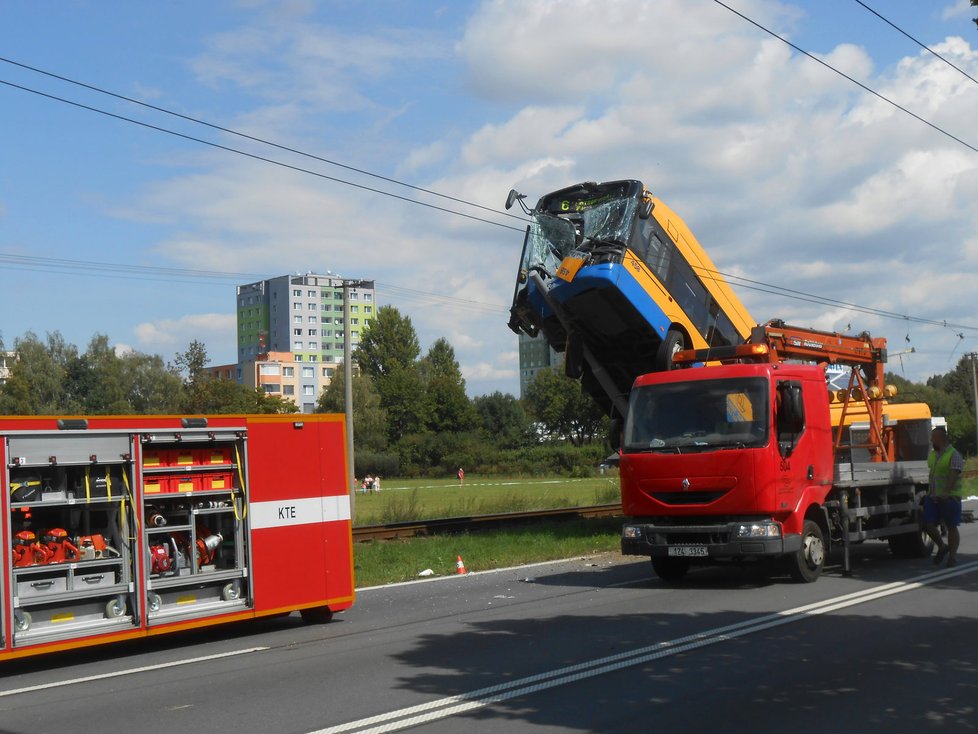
point(115, 528)
point(752, 456)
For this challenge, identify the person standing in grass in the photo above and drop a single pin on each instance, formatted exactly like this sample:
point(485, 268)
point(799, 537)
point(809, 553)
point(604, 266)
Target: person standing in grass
point(461, 476)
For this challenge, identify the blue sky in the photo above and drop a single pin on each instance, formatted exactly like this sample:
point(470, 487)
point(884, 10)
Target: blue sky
point(788, 174)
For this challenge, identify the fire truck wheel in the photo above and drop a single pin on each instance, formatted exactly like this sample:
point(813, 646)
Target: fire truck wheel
point(115, 607)
point(670, 569)
point(806, 565)
point(316, 615)
point(670, 345)
point(22, 620)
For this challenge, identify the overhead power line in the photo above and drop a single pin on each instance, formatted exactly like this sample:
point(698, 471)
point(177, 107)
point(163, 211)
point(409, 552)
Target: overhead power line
point(253, 156)
point(924, 46)
point(858, 83)
point(253, 138)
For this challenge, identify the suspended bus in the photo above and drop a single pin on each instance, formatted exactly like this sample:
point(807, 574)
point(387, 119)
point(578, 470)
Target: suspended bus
point(612, 277)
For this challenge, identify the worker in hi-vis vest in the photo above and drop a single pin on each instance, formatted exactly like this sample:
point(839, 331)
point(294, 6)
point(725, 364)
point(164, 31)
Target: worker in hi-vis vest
point(943, 500)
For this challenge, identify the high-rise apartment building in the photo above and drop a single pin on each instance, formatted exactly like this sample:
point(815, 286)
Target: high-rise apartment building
point(301, 315)
point(535, 354)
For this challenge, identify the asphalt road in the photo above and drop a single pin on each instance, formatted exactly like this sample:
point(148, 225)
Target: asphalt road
point(586, 645)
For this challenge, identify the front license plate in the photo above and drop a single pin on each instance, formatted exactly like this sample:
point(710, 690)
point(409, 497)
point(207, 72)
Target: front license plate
point(686, 551)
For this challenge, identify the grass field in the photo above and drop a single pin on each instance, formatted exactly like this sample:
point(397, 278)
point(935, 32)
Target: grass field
point(412, 500)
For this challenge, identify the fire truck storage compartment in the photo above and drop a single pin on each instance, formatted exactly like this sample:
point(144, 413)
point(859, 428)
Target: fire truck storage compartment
point(195, 531)
point(71, 533)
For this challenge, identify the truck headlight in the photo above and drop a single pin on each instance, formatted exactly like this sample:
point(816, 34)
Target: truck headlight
point(631, 532)
point(763, 529)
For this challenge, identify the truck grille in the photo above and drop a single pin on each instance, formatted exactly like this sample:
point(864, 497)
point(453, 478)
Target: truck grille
point(687, 498)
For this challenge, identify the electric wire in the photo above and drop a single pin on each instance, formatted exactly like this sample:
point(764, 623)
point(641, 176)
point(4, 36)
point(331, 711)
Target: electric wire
point(254, 156)
point(918, 42)
point(855, 81)
point(253, 138)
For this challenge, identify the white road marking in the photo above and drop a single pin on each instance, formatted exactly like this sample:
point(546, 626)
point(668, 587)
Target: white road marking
point(130, 671)
point(452, 705)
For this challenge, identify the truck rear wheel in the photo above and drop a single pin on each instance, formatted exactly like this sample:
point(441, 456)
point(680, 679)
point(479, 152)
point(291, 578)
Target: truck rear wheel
point(911, 545)
point(316, 615)
point(805, 566)
point(670, 569)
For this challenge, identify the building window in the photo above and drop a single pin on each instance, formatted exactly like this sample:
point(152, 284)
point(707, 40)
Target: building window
point(327, 371)
point(354, 309)
point(296, 306)
point(297, 345)
point(308, 372)
point(288, 389)
point(326, 332)
point(288, 371)
point(297, 357)
point(311, 332)
point(327, 307)
point(313, 358)
point(354, 322)
point(296, 292)
point(368, 309)
point(296, 319)
point(297, 332)
point(367, 297)
point(268, 369)
point(314, 345)
point(271, 387)
point(311, 294)
point(308, 390)
point(337, 296)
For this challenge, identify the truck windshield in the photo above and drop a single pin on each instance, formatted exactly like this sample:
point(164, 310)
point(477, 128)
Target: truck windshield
point(701, 415)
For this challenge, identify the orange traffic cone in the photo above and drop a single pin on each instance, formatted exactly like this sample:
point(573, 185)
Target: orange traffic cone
point(460, 566)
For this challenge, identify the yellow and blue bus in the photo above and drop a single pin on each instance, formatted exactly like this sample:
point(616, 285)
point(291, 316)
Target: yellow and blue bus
point(612, 277)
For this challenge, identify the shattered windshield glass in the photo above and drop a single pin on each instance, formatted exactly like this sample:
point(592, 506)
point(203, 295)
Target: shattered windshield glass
point(554, 237)
point(703, 415)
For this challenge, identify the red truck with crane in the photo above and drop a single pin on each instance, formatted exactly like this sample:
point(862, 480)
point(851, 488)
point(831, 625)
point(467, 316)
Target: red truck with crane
point(751, 456)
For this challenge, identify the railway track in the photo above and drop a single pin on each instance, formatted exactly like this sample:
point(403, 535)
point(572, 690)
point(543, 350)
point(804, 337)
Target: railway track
point(490, 522)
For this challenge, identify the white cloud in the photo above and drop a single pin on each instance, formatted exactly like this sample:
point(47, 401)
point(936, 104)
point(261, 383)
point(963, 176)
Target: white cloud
point(215, 330)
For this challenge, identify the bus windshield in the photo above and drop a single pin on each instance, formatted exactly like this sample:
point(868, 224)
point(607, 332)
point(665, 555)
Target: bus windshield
point(700, 415)
point(555, 235)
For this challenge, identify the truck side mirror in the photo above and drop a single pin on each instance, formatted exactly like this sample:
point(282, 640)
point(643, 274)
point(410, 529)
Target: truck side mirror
point(615, 427)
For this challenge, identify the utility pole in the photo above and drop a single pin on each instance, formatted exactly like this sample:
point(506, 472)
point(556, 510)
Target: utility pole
point(974, 383)
point(348, 386)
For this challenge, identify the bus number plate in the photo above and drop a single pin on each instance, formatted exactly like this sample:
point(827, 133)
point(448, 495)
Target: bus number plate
point(687, 551)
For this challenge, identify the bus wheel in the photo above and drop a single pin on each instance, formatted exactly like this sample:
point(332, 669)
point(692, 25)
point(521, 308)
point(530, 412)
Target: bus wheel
point(806, 565)
point(670, 569)
point(316, 615)
point(670, 345)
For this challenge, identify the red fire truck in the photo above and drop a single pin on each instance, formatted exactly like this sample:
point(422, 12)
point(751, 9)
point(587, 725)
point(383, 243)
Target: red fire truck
point(115, 528)
point(752, 456)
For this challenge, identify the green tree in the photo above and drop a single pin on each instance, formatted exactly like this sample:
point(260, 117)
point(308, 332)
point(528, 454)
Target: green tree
point(387, 343)
point(558, 404)
point(502, 420)
point(388, 354)
point(450, 410)
point(369, 418)
point(97, 381)
point(151, 388)
point(38, 383)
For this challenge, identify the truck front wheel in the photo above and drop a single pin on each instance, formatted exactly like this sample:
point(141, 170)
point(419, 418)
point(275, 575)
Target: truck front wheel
point(670, 569)
point(805, 566)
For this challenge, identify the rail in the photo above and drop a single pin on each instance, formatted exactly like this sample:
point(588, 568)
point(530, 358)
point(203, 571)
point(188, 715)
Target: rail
point(478, 522)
